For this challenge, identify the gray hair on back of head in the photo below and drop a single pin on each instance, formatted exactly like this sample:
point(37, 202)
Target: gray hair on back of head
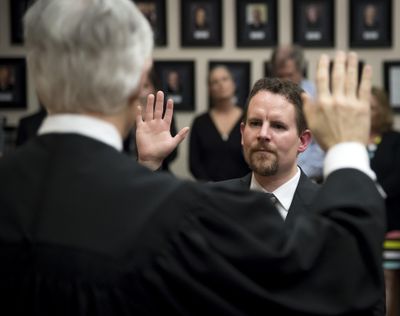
point(86, 55)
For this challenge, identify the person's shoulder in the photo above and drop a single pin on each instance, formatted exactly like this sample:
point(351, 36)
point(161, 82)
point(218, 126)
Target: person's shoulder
point(308, 185)
point(309, 87)
point(41, 114)
point(202, 118)
point(393, 134)
point(390, 139)
point(242, 183)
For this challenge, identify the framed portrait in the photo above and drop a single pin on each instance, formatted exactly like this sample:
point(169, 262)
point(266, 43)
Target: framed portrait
point(154, 11)
point(391, 72)
point(241, 75)
point(256, 24)
point(177, 82)
point(17, 11)
point(12, 83)
point(313, 23)
point(370, 23)
point(201, 23)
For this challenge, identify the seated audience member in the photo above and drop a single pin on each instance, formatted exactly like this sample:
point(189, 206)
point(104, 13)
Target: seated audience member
point(28, 126)
point(384, 151)
point(150, 85)
point(274, 132)
point(288, 63)
point(85, 230)
point(215, 153)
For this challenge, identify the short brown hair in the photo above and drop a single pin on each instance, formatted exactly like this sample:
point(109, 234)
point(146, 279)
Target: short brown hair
point(385, 118)
point(289, 90)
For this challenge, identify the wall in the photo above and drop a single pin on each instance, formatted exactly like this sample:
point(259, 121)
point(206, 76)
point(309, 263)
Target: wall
point(257, 56)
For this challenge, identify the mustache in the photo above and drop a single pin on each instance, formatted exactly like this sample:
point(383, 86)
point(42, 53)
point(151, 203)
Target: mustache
point(263, 147)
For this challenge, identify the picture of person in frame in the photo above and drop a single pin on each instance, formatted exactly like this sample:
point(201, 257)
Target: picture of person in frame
point(313, 16)
point(370, 22)
point(256, 19)
point(201, 24)
point(174, 86)
point(149, 11)
point(370, 17)
point(313, 23)
point(6, 83)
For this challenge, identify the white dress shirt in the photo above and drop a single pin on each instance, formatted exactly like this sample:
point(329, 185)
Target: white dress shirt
point(284, 194)
point(85, 125)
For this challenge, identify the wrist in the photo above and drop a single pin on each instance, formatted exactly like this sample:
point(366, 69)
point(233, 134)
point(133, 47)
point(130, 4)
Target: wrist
point(152, 164)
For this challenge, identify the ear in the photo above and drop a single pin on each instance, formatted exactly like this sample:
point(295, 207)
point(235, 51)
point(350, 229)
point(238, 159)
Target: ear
point(242, 126)
point(305, 139)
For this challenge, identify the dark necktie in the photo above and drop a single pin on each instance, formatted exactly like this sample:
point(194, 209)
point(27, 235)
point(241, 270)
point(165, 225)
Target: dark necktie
point(272, 198)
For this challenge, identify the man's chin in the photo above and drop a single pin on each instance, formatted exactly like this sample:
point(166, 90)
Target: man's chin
point(264, 169)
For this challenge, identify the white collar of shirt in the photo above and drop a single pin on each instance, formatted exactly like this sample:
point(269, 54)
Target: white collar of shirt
point(284, 193)
point(84, 125)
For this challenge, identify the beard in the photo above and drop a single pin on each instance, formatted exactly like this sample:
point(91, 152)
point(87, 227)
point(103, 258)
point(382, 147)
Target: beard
point(264, 163)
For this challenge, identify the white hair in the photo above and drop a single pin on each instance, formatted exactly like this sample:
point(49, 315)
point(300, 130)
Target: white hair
point(87, 55)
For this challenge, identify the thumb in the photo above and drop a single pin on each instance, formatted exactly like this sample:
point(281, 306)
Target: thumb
point(181, 135)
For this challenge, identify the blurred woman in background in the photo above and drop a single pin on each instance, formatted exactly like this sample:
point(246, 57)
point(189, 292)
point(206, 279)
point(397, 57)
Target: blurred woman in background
point(215, 151)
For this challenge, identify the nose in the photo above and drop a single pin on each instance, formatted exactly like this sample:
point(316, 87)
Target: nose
point(264, 132)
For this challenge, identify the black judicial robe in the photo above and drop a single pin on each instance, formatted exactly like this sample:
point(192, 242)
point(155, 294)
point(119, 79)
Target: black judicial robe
point(84, 230)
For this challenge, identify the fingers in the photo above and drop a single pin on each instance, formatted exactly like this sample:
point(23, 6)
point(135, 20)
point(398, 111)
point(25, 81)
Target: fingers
point(365, 85)
point(158, 110)
point(352, 75)
point(169, 111)
point(339, 74)
point(149, 108)
point(323, 75)
point(181, 135)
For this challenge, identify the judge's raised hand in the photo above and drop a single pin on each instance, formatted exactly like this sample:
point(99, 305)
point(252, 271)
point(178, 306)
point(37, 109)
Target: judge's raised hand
point(153, 137)
point(343, 114)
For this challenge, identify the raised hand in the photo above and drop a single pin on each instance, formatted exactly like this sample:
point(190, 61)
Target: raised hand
point(343, 114)
point(153, 137)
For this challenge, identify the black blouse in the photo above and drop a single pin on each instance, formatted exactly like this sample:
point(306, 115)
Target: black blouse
point(211, 158)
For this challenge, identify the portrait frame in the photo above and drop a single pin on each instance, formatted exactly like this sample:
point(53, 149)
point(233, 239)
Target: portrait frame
point(370, 23)
point(241, 71)
point(177, 82)
point(391, 75)
point(256, 23)
point(313, 23)
point(155, 12)
point(201, 23)
point(13, 84)
point(17, 12)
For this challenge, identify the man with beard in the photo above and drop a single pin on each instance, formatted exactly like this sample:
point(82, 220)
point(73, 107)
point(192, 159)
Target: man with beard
point(274, 132)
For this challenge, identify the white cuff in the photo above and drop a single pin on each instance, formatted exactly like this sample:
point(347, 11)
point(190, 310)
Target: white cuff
point(348, 155)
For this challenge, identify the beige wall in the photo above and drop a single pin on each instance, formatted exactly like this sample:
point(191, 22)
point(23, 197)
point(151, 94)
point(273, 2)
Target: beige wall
point(257, 56)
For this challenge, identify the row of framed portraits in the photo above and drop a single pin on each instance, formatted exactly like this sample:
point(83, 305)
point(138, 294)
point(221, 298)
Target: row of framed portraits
point(176, 79)
point(370, 22)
